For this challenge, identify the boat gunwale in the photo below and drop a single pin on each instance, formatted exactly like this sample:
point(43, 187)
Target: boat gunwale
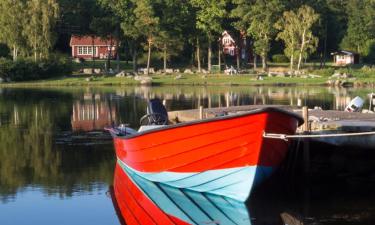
point(215, 119)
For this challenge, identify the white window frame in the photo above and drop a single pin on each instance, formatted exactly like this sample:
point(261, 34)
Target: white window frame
point(86, 50)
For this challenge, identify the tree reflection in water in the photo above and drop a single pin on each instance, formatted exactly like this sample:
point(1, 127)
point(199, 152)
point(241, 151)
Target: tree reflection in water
point(30, 120)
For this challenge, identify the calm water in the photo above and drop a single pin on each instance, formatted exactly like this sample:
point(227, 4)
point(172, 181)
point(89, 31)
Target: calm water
point(57, 164)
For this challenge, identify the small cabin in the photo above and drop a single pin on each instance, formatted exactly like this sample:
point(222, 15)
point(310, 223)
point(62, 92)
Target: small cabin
point(344, 58)
point(228, 44)
point(88, 47)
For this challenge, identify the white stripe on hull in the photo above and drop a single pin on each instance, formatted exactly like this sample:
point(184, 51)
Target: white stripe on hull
point(235, 183)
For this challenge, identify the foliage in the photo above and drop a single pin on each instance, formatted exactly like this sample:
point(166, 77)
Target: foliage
point(279, 58)
point(296, 32)
point(4, 50)
point(26, 26)
point(264, 14)
point(361, 26)
point(26, 69)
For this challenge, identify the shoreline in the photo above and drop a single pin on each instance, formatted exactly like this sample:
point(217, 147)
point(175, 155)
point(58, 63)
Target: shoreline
point(192, 80)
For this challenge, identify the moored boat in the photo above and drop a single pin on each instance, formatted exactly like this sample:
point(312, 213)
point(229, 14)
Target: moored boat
point(226, 155)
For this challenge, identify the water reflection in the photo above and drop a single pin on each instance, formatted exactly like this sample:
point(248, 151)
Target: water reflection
point(139, 201)
point(30, 157)
point(93, 112)
point(51, 141)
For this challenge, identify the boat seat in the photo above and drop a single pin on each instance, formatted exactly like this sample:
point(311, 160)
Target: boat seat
point(156, 114)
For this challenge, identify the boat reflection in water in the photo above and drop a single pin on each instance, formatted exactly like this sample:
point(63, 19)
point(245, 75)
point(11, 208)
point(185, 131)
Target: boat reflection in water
point(140, 201)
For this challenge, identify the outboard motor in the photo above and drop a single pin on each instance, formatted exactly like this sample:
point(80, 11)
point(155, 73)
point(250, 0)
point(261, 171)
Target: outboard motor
point(156, 114)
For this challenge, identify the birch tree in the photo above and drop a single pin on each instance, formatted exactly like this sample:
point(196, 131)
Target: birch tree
point(42, 15)
point(12, 22)
point(296, 32)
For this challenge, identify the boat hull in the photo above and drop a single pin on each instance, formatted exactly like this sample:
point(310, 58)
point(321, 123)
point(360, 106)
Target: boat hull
point(225, 156)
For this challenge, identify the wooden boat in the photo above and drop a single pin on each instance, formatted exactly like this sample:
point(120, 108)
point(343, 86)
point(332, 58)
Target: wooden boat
point(140, 201)
point(226, 155)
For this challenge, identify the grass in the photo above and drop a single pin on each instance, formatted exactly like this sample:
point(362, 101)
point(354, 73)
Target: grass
point(363, 74)
point(159, 80)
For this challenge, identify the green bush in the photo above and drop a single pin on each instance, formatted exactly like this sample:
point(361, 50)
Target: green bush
point(26, 69)
point(280, 58)
point(4, 50)
point(326, 72)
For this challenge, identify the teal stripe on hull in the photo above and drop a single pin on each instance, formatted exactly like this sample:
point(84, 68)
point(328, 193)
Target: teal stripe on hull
point(235, 183)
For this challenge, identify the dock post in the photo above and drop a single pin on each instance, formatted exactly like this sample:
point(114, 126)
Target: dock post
point(200, 112)
point(305, 115)
point(306, 142)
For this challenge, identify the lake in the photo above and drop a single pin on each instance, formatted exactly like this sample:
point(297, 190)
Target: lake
point(57, 164)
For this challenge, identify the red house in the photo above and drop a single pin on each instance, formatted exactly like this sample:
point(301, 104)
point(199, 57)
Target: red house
point(86, 47)
point(228, 44)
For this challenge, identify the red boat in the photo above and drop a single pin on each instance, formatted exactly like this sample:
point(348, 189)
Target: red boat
point(226, 155)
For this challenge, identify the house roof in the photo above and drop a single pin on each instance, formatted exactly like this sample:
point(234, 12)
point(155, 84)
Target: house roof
point(344, 52)
point(226, 34)
point(88, 40)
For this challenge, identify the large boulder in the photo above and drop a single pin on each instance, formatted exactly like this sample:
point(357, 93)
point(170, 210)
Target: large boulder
point(188, 71)
point(2, 80)
point(121, 74)
point(87, 71)
point(169, 71)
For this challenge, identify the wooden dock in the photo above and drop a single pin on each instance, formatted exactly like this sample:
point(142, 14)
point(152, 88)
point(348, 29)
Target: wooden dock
point(320, 122)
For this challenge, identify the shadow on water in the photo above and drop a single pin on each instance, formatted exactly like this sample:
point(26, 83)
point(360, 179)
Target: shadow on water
point(338, 188)
point(328, 195)
point(53, 139)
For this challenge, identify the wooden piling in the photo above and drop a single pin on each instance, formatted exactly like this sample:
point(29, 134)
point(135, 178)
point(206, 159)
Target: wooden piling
point(305, 115)
point(200, 112)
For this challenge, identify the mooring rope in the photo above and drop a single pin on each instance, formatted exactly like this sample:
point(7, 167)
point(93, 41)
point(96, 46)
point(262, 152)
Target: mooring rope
point(301, 136)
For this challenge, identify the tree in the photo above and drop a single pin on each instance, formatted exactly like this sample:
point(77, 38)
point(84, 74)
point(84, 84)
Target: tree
point(174, 20)
point(264, 15)
point(148, 23)
point(12, 22)
point(296, 32)
point(242, 15)
point(360, 35)
point(209, 19)
point(42, 16)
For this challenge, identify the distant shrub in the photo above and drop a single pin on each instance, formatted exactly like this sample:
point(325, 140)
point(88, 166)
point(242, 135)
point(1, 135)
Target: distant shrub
point(324, 72)
point(4, 50)
point(280, 58)
point(26, 69)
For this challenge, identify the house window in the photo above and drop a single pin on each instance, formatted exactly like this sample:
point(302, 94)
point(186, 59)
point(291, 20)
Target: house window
point(80, 50)
point(86, 50)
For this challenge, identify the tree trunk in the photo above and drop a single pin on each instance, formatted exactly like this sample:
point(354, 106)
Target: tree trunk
point(165, 57)
point(92, 55)
point(292, 60)
point(209, 55)
point(325, 45)
point(149, 57)
point(15, 53)
point(134, 58)
point(199, 56)
point(109, 54)
point(264, 61)
point(301, 50)
point(117, 56)
point(255, 61)
point(219, 57)
point(238, 58)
